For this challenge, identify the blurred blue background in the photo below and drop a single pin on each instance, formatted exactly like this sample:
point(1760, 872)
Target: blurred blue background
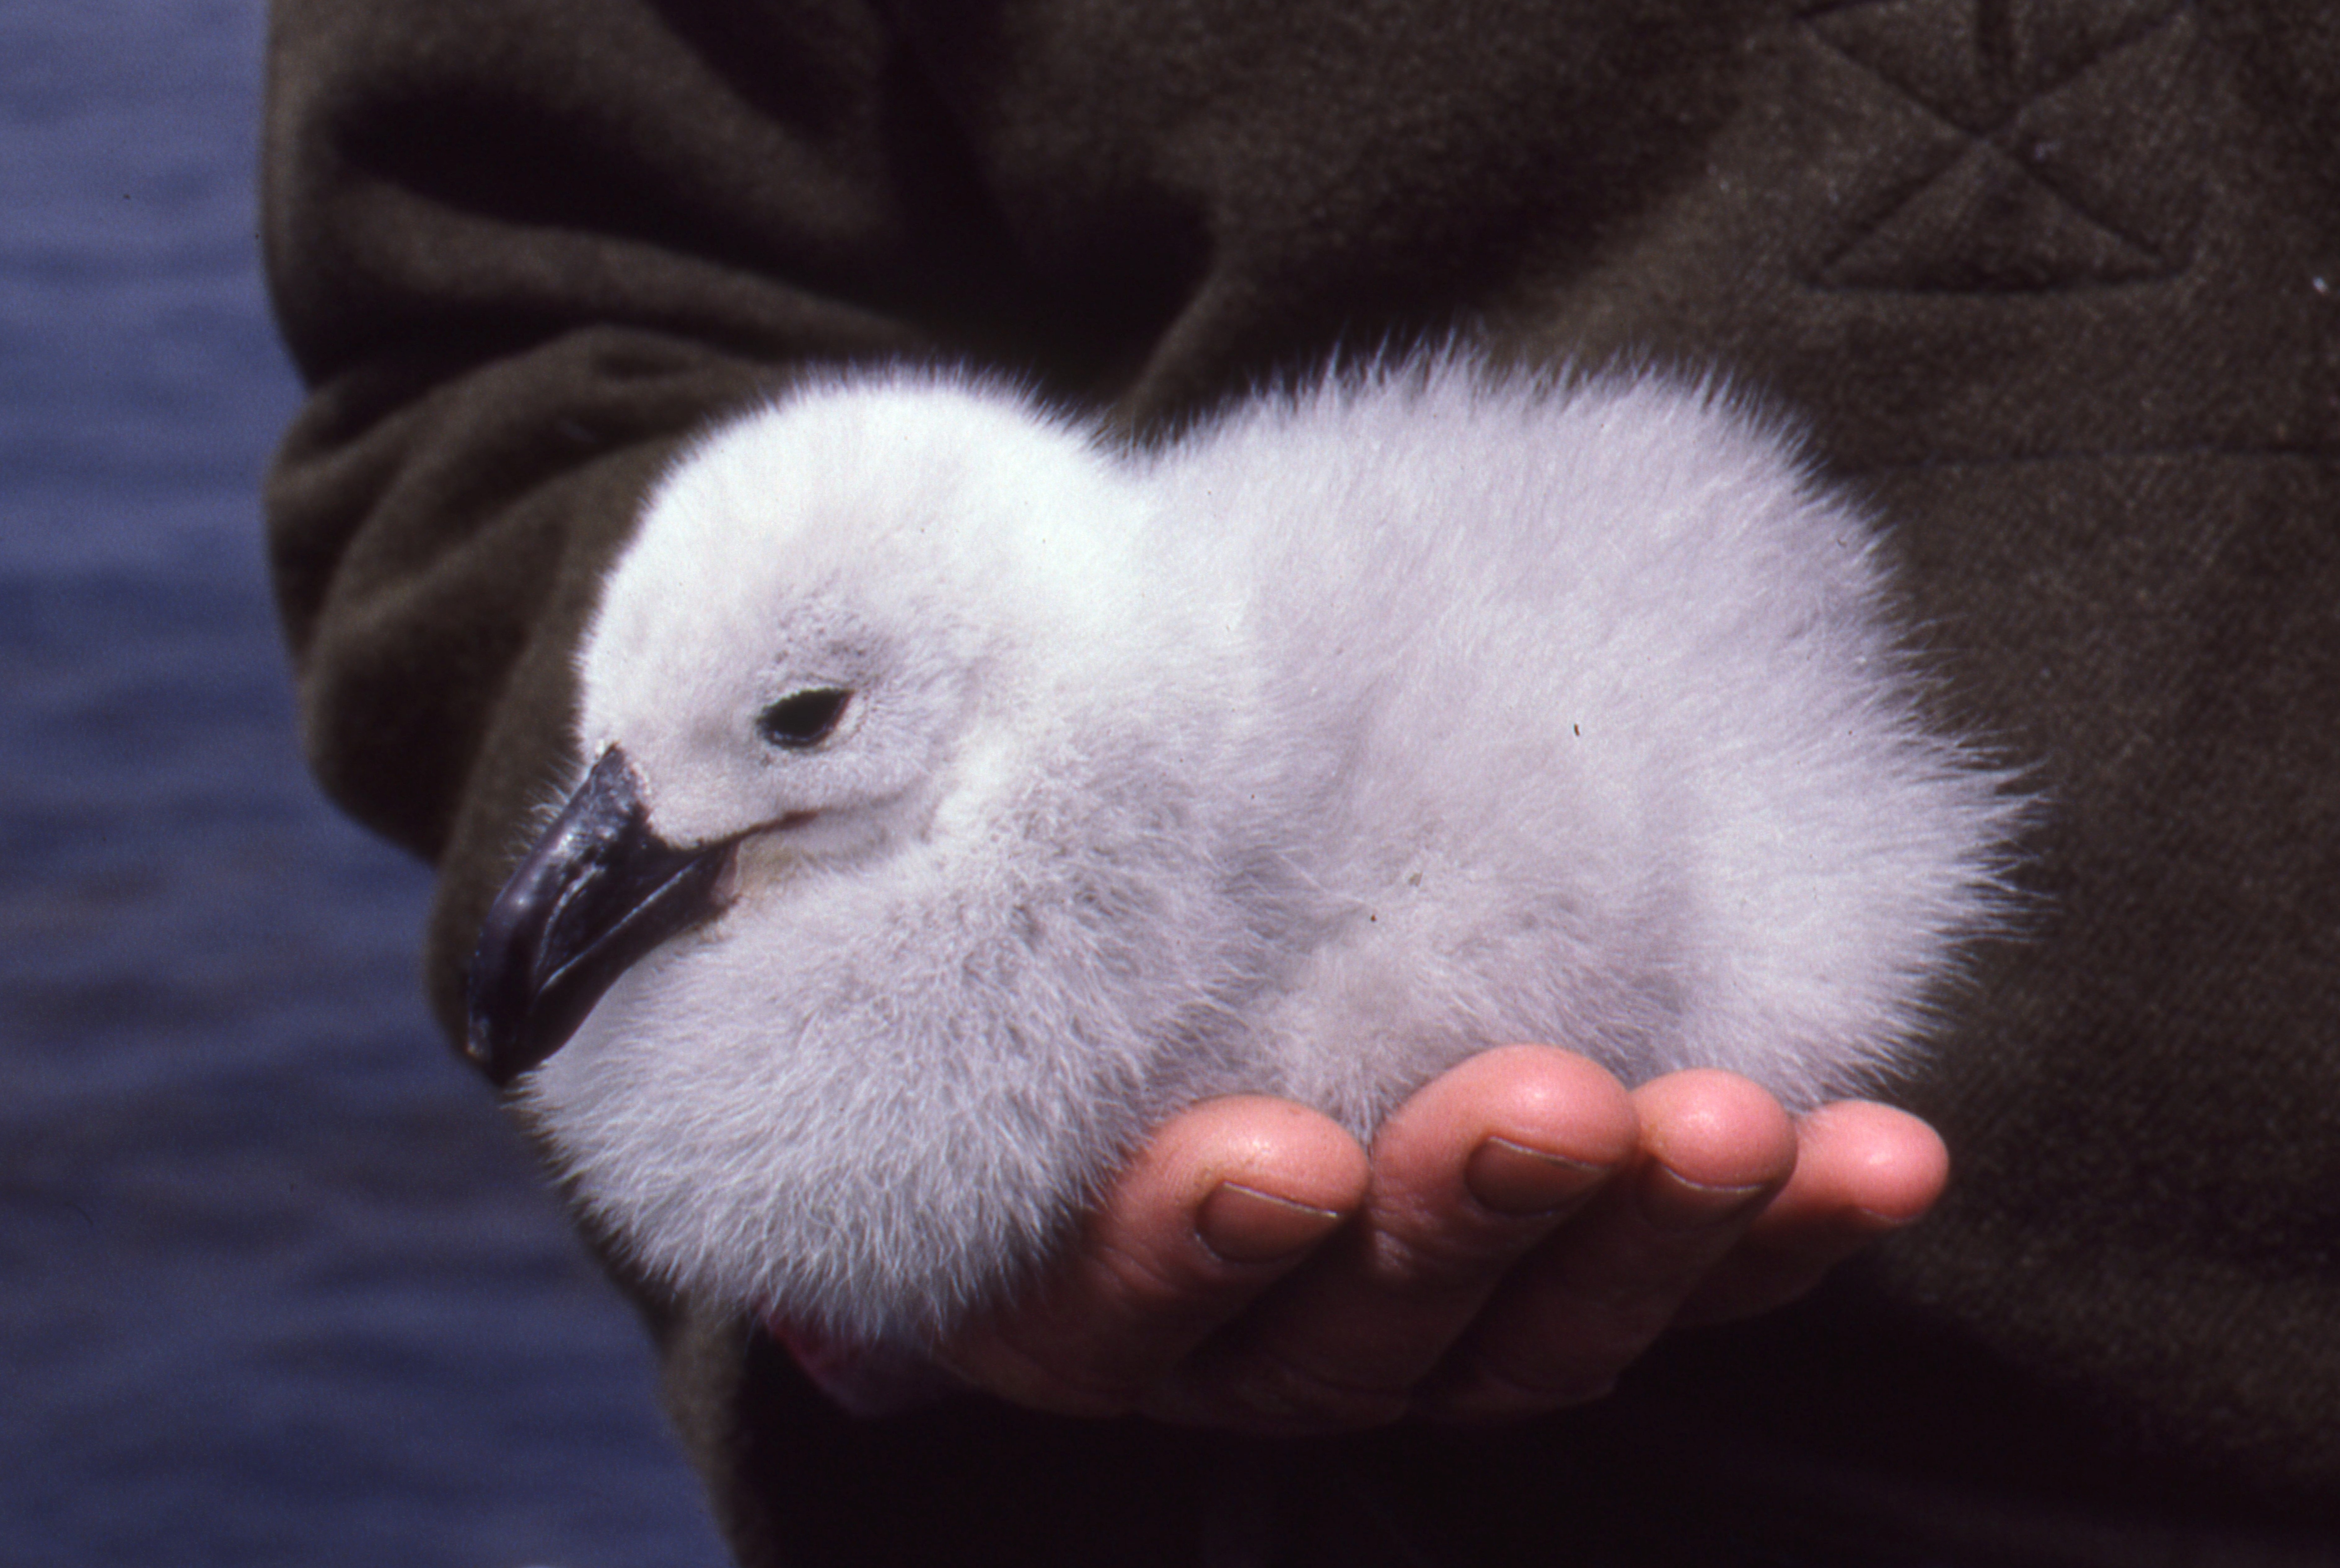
point(277, 1284)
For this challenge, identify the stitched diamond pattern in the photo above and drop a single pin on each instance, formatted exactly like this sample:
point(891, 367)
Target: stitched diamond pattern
point(2012, 144)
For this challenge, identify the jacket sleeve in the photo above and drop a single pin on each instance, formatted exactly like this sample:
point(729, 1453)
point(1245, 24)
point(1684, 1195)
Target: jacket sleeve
point(519, 248)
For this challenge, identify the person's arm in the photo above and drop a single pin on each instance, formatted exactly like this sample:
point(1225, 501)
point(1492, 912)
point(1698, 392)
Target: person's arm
point(519, 251)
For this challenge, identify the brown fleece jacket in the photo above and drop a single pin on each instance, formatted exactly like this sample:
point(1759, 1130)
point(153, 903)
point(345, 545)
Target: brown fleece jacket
point(2054, 283)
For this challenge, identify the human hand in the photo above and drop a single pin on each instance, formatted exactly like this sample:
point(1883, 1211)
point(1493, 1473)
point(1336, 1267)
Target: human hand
point(1523, 1229)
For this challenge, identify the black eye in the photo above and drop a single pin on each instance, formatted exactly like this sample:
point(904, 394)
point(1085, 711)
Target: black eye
point(803, 718)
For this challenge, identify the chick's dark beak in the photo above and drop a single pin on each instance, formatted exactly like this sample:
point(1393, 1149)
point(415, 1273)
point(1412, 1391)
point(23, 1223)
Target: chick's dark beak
point(595, 895)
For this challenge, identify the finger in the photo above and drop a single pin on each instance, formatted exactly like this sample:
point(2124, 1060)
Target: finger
point(1468, 1177)
point(1714, 1149)
point(1862, 1171)
point(1221, 1202)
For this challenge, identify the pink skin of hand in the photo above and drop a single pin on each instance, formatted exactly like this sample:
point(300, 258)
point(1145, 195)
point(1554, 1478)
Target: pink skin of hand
point(1522, 1230)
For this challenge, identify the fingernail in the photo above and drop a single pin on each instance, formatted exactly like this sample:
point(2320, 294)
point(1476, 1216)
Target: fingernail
point(1674, 1202)
point(1511, 1178)
point(1244, 1224)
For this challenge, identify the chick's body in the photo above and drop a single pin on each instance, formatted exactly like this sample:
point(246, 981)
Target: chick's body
point(1353, 732)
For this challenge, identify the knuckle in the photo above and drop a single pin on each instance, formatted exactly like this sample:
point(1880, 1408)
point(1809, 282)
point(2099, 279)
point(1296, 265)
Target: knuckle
point(1049, 1380)
point(1483, 1391)
point(1283, 1391)
point(1633, 1311)
point(1549, 1371)
point(1171, 1289)
point(1423, 1263)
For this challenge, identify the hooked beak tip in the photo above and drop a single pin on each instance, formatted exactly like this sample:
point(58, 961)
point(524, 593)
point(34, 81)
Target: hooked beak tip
point(597, 893)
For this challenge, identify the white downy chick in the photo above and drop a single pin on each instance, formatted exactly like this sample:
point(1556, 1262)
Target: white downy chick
point(973, 793)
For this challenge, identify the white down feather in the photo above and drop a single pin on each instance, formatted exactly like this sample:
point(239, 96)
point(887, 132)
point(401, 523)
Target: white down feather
point(1352, 732)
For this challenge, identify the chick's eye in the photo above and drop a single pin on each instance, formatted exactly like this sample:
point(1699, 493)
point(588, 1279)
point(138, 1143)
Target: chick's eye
point(803, 718)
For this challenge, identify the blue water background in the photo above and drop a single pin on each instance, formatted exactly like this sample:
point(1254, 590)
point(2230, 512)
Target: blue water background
point(277, 1284)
